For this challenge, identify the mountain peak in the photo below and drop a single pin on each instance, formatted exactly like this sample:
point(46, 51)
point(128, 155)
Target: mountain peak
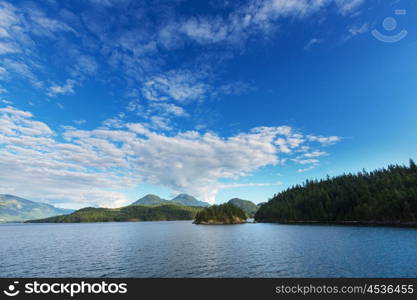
point(150, 199)
point(151, 196)
point(184, 195)
point(183, 199)
point(189, 200)
point(248, 206)
point(16, 209)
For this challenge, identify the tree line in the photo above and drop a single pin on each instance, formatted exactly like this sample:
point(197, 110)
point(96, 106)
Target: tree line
point(386, 195)
point(226, 213)
point(165, 212)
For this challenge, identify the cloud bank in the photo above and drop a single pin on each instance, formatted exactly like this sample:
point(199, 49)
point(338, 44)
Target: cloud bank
point(91, 167)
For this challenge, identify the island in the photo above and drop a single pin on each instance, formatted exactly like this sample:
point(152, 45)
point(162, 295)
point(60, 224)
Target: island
point(386, 197)
point(223, 214)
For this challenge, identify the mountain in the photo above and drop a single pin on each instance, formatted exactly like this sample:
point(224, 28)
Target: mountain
point(223, 214)
point(384, 196)
point(151, 200)
point(247, 206)
point(189, 200)
point(165, 212)
point(15, 209)
point(181, 199)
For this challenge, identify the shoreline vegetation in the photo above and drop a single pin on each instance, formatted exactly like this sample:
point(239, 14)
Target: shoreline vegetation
point(224, 214)
point(384, 197)
point(347, 223)
point(131, 213)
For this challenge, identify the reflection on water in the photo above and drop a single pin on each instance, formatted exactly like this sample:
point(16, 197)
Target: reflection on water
point(181, 249)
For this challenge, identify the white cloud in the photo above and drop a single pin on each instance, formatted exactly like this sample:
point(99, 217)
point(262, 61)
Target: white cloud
point(91, 41)
point(306, 169)
point(315, 154)
point(86, 64)
point(66, 89)
point(349, 6)
point(161, 123)
point(312, 158)
point(329, 140)
point(250, 19)
point(138, 128)
point(311, 43)
point(134, 106)
point(6, 48)
point(113, 123)
point(179, 85)
point(359, 29)
point(91, 166)
point(169, 109)
point(79, 122)
point(5, 101)
point(238, 185)
point(306, 161)
point(21, 68)
point(3, 72)
point(18, 26)
point(205, 30)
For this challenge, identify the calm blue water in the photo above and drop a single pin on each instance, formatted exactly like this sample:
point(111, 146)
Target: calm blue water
point(181, 249)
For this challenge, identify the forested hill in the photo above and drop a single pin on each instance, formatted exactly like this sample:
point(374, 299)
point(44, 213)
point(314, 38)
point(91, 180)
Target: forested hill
point(168, 212)
point(225, 213)
point(385, 195)
point(247, 206)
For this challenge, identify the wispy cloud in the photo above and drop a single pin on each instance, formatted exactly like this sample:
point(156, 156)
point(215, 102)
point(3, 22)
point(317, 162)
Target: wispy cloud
point(19, 28)
point(311, 43)
point(347, 7)
point(307, 169)
point(79, 122)
point(66, 89)
point(3, 90)
point(87, 42)
point(324, 140)
point(175, 85)
point(355, 30)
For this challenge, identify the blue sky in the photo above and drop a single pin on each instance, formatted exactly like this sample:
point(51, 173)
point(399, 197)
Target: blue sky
point(104, 101)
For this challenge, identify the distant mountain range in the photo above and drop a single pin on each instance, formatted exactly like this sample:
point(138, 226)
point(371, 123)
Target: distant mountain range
point(181, 199)
point(16, 209)
point(131, 213)
point(148, 208)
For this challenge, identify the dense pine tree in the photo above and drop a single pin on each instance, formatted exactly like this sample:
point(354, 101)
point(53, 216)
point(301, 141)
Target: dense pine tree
point(226, 213)
point(385, 195)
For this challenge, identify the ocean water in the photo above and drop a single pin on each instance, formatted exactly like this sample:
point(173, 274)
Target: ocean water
point(182, 249)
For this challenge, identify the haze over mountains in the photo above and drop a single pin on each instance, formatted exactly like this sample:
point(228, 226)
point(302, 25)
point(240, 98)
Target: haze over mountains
point(16, 209)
